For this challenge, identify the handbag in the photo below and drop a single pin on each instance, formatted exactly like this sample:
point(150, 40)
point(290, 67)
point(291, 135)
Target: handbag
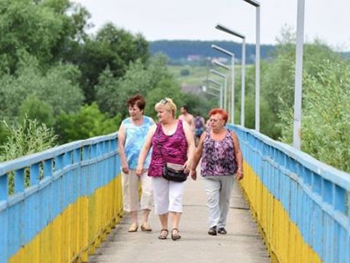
point(174, 172)
point(171, 171)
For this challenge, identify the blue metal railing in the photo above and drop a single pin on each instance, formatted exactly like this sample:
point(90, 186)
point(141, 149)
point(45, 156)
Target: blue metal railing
point(301, 204)
point(313, 196)
point(60, 201)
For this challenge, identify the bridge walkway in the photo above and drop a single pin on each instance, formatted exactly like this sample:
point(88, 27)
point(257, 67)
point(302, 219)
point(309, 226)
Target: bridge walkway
point(242, 244)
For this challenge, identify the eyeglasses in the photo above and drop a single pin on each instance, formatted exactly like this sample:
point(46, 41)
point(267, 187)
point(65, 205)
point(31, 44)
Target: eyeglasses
point(214, 120)
point(164, 101)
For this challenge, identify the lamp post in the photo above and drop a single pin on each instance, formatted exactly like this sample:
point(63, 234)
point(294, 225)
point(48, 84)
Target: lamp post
point(204, 89)
point(257, 63)
point(217, 89)
point(225, 84)
point(221, 90)
point(217, 63)
point(232, 32)
point(298, 75)
point(228, 53)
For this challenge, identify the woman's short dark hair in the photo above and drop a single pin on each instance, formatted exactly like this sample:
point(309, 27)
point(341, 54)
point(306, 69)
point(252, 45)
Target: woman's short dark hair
point(137, 100)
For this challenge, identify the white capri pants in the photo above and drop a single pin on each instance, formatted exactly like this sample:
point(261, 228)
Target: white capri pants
point(130, 183)
point(167, 195)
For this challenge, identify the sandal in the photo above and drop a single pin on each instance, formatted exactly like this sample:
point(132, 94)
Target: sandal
point(222, 231)
point(133, 227)
point(146, 227)
point(177, 236)
point(212, 231)
point(162, 235)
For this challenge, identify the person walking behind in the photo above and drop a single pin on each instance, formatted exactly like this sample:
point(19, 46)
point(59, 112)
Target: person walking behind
point(187, 116)
point(131, 136)
point(172, 141)
point(199, 124)
point(221, 159)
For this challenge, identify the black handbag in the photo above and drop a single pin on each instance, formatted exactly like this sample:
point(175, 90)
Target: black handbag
point(172, 172)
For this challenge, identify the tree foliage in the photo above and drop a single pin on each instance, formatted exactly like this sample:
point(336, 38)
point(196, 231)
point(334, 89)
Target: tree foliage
point(88, 122)
point(58, 87)
point(325, 121)
point(111, 48)
point(278, 75)
point(25, 138)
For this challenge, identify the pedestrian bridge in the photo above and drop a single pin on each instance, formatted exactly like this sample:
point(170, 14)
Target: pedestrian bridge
point(60, 204)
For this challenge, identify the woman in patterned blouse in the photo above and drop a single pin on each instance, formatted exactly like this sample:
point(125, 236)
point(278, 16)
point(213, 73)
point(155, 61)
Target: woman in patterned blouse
point(221, 159)
point(172, 141)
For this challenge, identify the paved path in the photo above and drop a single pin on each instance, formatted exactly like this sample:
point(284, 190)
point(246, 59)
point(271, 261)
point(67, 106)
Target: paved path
point(242, 244)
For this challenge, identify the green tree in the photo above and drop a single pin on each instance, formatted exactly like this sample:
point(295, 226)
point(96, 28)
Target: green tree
point(58, 87)
point(325, 122)
point(112, 93)
point(36, 109)
point(277, 83)
point(88, 122)
point(42, 28)
point(111, 48)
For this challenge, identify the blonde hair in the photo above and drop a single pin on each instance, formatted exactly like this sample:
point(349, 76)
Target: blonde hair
point(168, 104)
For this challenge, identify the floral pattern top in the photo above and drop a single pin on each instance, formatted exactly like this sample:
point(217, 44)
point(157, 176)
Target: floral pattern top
point(218, 157)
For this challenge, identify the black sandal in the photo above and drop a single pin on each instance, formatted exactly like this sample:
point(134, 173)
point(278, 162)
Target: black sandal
point(222, 231)
point(177, 236)
point(162, 236)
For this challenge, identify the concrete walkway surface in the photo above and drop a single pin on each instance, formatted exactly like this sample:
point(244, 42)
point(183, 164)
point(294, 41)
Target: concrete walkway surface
point(242, 244)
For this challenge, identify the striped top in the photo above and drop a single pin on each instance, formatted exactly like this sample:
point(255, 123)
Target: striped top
point(218, 157)
point(174, 149)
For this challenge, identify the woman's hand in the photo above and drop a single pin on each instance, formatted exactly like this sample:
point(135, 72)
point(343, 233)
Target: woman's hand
point(194, 175)
point(239, 174)
point(125, 169)
point(139, 170)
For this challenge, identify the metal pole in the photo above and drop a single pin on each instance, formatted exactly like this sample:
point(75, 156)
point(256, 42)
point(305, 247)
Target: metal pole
point(257, 63)
point(232, 32)
point(233, 89)
point(220, 90)
point(257, 71)
point(298, 75)
point(225, 80)
point(243, 84)
point(225, 97)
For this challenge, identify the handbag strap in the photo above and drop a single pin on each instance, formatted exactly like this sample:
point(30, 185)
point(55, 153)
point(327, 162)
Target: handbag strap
point(159, 146)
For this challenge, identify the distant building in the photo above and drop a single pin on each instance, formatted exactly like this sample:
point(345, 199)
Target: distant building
point(194, 58)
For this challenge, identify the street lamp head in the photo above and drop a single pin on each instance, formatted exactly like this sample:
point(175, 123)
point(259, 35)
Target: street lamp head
point(222, 50)
point(229, 31)
point(221, 65)
point(214, 81)
point(218, 73)
point(253, 2)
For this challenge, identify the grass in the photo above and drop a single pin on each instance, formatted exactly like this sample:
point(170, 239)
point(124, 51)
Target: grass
point(196, 77)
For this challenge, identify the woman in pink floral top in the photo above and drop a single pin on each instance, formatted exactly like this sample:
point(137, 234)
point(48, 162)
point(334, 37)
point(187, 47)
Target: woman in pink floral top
point(221, 159)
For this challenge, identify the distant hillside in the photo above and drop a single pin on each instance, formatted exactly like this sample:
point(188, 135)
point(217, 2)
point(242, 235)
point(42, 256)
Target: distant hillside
point(182, 51)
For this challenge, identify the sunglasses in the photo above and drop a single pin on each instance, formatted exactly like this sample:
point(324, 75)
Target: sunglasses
point(164, 101)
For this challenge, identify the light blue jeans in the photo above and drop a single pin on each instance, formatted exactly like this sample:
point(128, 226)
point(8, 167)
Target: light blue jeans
point(218, 189)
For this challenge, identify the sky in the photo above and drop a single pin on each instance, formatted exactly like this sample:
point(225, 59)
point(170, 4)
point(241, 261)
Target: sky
point(327, 20)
